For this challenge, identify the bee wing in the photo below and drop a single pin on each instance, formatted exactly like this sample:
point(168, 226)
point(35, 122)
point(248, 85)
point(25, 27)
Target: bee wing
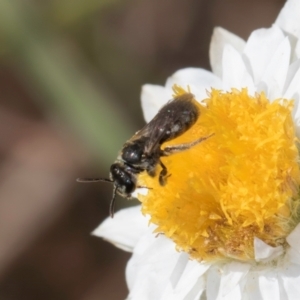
point(157, 131)
point(153, 133)
point(162, 127)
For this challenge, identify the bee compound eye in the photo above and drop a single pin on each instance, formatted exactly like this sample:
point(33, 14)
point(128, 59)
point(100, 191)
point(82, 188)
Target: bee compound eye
point(130, 186)
point(123, 178)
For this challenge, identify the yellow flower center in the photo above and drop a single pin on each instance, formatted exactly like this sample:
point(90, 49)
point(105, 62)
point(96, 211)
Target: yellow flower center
point(240, 183)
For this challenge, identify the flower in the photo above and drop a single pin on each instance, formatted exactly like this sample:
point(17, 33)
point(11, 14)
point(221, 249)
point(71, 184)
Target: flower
point(229, 213)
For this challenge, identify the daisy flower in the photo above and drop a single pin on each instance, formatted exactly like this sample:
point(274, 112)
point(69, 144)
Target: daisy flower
point(226, 224)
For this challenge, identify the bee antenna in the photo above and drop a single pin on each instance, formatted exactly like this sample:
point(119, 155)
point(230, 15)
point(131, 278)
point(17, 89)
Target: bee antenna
point(87, 180)
point(112, 202)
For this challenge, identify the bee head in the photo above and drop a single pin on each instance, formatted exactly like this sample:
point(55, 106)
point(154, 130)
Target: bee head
point(123, 179)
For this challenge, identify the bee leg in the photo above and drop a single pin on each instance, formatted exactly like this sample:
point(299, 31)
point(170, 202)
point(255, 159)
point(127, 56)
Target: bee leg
point(143, 187)
point(182, 147)
point(151, 172)
point(163, 175)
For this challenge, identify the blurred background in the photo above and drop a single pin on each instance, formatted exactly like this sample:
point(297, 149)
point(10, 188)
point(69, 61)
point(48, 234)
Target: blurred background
point(70, 78)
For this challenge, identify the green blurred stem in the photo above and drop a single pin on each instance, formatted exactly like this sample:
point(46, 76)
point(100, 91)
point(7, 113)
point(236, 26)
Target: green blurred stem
point(65, 90)
point(69, 12)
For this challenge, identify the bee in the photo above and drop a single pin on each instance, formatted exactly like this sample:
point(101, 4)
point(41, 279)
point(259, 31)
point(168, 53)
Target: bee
point(143, 151)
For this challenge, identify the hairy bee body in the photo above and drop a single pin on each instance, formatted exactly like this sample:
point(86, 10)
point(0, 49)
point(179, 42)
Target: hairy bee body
point(143, 151)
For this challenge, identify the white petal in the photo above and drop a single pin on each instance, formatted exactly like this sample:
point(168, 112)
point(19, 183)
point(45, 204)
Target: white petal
point(192, 282)
point(150, 267)
point(297, 51)
point(179, 269)
point(197, 291)
point(293, 92)
point(223, 282)
point(153, 97)
point(269, 286)
point(190, 285)
point(140, 191)
point(220, 38)
point(197, 80)
point(234, 294)
point(133, 266)
point(288, 18)
point(276, 71)
point(289, 88)
point(233, 273)
point(290, 277)
point(260, 48)
point(264, 252)
point(252, 289)
point(293, 256)
point(293, 238)
point(235, 74)
point(125, 229)
point(213, 283)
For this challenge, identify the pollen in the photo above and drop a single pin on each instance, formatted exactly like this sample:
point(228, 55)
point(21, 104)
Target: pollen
point(238, 184)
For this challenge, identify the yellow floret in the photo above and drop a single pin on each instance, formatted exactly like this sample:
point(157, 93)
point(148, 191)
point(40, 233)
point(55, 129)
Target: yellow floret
point(240, 183)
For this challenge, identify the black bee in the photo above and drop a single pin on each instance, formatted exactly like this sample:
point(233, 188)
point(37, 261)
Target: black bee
point(143, 151)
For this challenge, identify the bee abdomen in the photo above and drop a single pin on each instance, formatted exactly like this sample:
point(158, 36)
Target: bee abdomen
point(185, 122)
point(185, 115)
